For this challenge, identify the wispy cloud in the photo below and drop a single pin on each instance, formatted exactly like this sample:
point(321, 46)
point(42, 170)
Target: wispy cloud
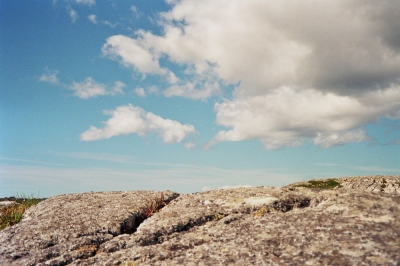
point(50, 76)
point(93, 18)
point(86, 2)
point(73, 14)
point(115, 158)
point(135, 11)
point(89, 88)
point(55, 181)
point(394, 142)
point(27, 161)
point(140, 92)
point(371, 169)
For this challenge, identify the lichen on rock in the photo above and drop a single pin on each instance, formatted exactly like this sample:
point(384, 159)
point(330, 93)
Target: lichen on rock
point(356, 223)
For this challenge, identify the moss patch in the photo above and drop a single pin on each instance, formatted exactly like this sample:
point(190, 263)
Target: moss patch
point(326, 184)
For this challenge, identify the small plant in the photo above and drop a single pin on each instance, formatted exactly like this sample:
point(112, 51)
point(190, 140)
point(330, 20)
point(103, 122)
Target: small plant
point(12, 214)
point(153, 206)
point(383, 185)
point(260, 212)
point(218, 216)
point(329, 183)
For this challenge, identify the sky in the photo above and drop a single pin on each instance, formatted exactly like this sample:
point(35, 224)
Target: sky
point(192, 95)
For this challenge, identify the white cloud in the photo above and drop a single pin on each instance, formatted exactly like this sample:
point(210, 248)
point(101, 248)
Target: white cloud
point(193, 90)
point(140, 92)
point(50, 76)
point(86, 2)
point(90, 88)
point(132, 119)
point(287, 117)
point(131, 53)
point(73, 14)
point(153, 90)
point(93, 18)
point(337, 139)
point(340, 45)
point(190, 145)
point(318, 70)
point(135, 11)
point(118, 88)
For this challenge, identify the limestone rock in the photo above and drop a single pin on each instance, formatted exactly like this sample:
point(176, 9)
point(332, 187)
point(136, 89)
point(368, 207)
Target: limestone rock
point(244, 226)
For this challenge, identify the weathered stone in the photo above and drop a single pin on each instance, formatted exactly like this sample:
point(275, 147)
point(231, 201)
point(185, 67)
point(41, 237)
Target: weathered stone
point(243, 226)
point(65, 228)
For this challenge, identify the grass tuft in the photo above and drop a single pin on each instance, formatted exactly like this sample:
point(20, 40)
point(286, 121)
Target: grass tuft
point(153, 205)
point(11, 215)
point(329, 183)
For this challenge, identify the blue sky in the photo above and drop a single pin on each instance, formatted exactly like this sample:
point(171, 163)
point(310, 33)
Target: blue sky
point(193, 95)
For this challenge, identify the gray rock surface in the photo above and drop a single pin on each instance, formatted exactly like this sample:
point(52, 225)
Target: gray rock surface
point(351, 225)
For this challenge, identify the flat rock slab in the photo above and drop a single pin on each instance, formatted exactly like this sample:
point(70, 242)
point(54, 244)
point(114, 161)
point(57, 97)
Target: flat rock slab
point(64, 228)
point(375, 184)
point(242, 226)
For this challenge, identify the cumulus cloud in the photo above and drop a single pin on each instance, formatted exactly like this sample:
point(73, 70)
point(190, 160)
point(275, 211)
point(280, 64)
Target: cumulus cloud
point(315, 70)
point(287, 117)
point(89, 88)
point(131, 53)
point(130, 119)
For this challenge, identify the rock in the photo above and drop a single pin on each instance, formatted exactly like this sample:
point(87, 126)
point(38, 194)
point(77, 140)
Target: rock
point(348, 225)
point(7, 203)
point(387, 184)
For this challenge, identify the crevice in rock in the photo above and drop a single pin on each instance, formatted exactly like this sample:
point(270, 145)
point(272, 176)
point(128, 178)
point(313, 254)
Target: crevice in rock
point(291, 203)
point(284, 205)
point(130, 224)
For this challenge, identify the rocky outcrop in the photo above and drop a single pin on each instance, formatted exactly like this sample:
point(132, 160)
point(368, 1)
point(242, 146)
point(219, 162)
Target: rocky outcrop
point(351, 224)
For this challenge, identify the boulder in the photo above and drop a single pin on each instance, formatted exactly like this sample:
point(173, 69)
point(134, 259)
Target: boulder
point(350, 224)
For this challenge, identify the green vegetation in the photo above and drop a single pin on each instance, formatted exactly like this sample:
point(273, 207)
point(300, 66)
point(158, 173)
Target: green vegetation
point(260, 212)
point(12, 214)
point(383, 185)
point(218, 216)
point(329, 183)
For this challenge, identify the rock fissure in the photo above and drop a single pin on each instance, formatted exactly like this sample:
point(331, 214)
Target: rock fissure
point(285, 205)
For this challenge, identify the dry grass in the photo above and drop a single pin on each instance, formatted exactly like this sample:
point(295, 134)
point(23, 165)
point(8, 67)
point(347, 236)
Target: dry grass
point(11, 215)
point(153, 206)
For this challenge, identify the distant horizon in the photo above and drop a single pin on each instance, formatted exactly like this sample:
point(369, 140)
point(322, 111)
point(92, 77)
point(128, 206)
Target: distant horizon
point(190, 95)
